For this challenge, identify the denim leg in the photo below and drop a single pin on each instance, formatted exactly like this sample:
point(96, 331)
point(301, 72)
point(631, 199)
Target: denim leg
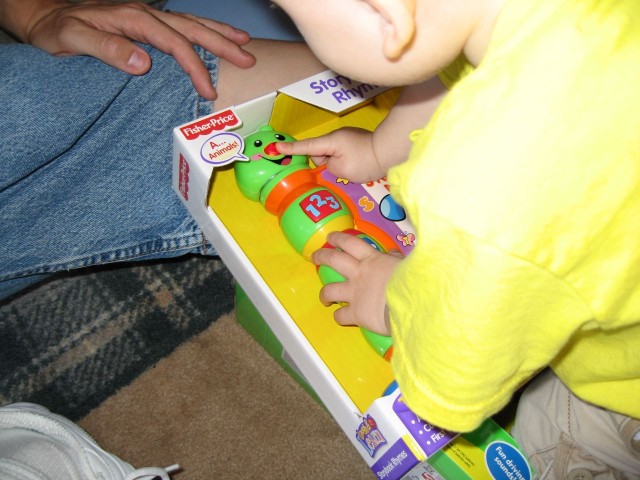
point(85, 164)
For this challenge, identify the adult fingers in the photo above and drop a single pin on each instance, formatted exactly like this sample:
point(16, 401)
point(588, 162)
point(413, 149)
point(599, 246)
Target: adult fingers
point(106, 31)
point(219, 38)
point(178, 32)
point(78, 38)
point(155, 28)
point(234, 34)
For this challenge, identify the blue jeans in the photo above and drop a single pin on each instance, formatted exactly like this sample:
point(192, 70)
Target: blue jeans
point(85, 164)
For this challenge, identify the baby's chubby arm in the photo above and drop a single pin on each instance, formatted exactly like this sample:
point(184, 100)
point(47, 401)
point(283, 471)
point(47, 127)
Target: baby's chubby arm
point(107, 30)
point(362, 156)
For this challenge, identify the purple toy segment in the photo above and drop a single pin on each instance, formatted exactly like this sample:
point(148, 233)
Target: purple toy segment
point(366, 200)
point(430, 438)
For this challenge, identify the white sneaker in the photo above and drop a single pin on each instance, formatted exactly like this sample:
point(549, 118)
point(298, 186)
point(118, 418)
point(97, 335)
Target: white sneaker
point(36, 444)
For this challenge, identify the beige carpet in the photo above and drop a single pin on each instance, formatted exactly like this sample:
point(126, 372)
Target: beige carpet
point(223, 409)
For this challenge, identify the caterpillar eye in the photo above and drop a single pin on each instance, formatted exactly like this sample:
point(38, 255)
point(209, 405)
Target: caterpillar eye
point(257, 143)
point(280, 137)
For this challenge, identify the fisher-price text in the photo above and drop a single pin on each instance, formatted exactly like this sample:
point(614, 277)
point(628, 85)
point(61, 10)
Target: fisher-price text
point(218, 122)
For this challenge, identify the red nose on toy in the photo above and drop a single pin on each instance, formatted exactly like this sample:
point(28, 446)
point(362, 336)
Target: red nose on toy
point(271, 149)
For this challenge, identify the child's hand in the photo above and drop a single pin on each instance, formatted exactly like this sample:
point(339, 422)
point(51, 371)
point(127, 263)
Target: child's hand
point(107, 30)
point(366, 271)
point(347, 153)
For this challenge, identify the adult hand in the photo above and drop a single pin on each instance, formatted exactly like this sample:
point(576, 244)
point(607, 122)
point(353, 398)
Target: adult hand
point(347, 153)
point(107, 30)
point(366, 271)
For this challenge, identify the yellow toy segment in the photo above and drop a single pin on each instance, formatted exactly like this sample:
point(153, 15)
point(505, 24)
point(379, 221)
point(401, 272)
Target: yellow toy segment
point(319, 238)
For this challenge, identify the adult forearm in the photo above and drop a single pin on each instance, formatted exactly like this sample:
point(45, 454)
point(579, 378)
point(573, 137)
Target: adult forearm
point(17, 17)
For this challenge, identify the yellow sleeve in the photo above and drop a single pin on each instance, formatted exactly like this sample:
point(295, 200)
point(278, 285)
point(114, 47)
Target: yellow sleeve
point(471, 331)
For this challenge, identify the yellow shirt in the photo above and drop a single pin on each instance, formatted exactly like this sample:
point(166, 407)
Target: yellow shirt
point(525, 193)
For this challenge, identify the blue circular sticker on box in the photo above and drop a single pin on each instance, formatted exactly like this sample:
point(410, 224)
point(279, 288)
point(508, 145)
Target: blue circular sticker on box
point(505, 462)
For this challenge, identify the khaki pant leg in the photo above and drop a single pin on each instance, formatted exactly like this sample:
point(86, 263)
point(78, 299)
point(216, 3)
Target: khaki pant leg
point(567, 438)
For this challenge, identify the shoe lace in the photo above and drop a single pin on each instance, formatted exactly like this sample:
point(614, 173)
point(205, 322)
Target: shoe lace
point(149, 473)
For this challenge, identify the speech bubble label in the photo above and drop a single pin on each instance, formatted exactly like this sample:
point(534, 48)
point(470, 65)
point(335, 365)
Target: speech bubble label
point(222, 149)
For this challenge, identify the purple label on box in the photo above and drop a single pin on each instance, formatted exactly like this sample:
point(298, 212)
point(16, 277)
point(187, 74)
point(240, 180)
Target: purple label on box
point(430, 438)
point(395, 462)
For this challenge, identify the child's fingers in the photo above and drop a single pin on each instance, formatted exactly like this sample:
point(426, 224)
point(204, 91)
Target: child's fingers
point(334, 293)
point(342, 262)
point(354, 246)
point(316, 148)
point(344, 316)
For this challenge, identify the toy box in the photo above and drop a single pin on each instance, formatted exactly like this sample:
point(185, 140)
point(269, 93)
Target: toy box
point(345, 373)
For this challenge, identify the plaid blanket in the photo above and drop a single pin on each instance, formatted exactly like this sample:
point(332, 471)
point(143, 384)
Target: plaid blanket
point(73, 341)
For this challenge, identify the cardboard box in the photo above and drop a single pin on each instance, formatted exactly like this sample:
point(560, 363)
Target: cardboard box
point(281, 287)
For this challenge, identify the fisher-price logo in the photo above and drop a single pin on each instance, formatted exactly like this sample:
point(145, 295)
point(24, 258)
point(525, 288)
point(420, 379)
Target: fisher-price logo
point(214, 123)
